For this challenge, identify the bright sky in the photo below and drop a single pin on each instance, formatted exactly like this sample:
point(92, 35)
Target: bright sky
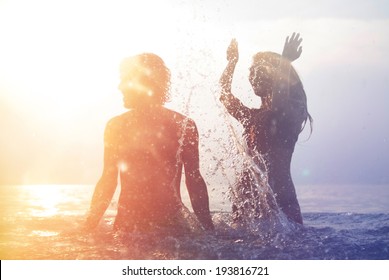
point(58, 79)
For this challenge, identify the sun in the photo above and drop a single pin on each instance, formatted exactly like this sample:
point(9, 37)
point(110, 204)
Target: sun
point(60, 57)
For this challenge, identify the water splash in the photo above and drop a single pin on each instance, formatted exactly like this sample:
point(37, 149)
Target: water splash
point(229, 158)
point(262, 216)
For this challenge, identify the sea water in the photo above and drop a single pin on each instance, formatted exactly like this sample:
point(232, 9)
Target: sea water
point(340, 222)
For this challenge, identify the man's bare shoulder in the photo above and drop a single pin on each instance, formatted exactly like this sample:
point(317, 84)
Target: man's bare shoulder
point(162, 114)
point(178, 117)
point(119, 118)
point(117, 121)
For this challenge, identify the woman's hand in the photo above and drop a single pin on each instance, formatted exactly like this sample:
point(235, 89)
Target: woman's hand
point(232, 51)
point(226, 78)
point(292, 49)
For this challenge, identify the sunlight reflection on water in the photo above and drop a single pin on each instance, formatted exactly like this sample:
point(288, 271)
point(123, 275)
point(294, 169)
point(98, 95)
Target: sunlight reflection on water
point(44, 200)
point(44, 233)
point(43, 222)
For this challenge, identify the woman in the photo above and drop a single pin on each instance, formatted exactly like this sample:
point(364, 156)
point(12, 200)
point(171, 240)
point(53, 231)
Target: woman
point(272, 130)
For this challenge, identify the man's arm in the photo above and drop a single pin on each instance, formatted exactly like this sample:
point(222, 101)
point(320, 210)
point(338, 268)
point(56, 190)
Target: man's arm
point(195, 183)
point(106, 186)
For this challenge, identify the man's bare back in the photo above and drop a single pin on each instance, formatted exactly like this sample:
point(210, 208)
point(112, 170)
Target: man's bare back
point(149, 146)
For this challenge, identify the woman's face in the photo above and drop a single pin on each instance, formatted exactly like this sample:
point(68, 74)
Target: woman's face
point(261, 78)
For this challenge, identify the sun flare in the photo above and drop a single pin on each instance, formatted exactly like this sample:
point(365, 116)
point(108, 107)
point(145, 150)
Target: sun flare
point(59, 58)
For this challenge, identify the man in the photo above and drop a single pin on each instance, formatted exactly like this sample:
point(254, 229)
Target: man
point(146, 148)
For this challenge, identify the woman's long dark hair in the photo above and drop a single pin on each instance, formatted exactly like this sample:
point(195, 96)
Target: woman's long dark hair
point(297, 93)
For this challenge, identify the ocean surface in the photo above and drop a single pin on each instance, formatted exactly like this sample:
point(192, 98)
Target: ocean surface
point(340, 222)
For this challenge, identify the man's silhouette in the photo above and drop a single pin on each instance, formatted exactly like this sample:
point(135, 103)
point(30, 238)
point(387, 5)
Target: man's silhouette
point(146, 149)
